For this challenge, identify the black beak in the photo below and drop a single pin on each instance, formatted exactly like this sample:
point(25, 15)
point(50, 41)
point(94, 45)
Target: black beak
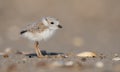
point(59, 26)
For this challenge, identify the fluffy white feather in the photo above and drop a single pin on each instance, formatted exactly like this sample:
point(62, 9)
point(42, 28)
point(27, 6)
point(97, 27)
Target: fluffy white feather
point(39, 36)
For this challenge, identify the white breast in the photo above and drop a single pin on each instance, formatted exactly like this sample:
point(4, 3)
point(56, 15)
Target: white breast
point(39, 36)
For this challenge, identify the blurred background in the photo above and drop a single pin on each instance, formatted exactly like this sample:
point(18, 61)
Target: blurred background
point(88, 25)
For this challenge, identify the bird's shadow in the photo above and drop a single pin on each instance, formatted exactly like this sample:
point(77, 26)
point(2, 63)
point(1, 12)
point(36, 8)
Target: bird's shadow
point(43, 53)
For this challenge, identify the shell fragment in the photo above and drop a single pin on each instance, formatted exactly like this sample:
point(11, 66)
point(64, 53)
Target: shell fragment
point(86, 54)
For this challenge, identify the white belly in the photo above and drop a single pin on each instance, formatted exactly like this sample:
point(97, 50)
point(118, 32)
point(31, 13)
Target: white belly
point(39, 36)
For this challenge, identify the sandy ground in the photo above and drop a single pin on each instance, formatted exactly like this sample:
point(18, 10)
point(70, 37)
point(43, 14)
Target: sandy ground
point(18, 61)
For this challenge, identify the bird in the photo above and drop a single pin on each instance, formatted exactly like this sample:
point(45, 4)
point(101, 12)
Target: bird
point(40, 30)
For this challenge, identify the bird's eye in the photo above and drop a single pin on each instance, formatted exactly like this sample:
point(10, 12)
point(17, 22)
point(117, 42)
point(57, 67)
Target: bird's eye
point(52, 22)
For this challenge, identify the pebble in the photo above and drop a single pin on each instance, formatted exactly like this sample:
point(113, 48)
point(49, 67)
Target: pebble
point(116, 55)
point(102, 56)
point(83, 59)
point(99, 64)
point(57, 64)
point(69, 63)
point(8, 50)
point(5, 55)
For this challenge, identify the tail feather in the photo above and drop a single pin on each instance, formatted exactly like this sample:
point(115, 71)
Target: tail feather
point(22, 32)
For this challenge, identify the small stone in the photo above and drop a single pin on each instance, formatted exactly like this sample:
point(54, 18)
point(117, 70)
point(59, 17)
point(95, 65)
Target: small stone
point(5, 55)
point(57, 64)
point(58, 56)
point(19, 52)
point(8, 50)
point(64, 56)
point(24, 60)
point(116, 55)
point(69, 63)
point(45, 55)
point(102, 56)
point(83, 59)
point(99, 64)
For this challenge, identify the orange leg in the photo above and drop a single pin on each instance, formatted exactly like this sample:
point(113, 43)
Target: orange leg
point(38, 52)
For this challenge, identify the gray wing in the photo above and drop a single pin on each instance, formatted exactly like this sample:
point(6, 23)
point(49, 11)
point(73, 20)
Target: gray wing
point(30, 27)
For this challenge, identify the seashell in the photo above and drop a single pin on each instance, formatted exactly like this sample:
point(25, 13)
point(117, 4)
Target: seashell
point(116, 59)
point(87, 54)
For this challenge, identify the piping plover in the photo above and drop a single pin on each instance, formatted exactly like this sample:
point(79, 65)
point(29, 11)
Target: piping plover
point(41, 30)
